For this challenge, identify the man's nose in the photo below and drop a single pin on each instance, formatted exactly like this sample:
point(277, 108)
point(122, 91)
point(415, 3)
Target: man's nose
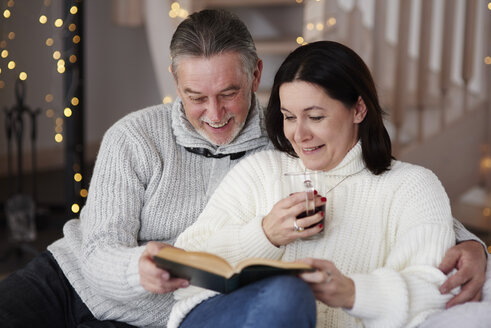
point(215, 111)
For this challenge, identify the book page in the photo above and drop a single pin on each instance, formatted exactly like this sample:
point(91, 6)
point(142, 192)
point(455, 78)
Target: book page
point(200, 260)
point(272, 263)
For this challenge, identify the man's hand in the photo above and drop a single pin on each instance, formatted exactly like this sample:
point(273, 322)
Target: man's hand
point(470, 261)
point(154, 279)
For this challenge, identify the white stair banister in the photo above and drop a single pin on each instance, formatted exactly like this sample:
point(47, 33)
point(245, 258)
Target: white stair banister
point(423, 62)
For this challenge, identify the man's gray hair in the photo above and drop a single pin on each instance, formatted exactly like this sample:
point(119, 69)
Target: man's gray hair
point(212, 32)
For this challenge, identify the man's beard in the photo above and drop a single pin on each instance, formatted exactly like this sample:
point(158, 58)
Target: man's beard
point(232, 136)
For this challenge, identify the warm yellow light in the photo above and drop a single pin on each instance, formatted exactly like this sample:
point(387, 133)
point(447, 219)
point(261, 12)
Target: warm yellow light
point(6, 13)
point(77, 177)
point(59, 121)
point(75, 101)
point(300, 40)
point(59, 22)
point(11, 64)
point(10, 3)
point(58, 137)
point(72, 59)
point(49, 42)
point(2, 84)
point(310, 26)
point(83, 192)
point(50, 113)
point(72, 27)
point(175, 6)
point(75, 208)
point(48, 98)
point(167, 99)
point(61, 69)
point(299, 1)
point(487, 60)
point(23, 76)
point(183, 13)
point(58, 129)
point(319, 26)
point(76, 39)
point(5, 53)
point(331, 21)
point(0, 70)
point(73, 10)
point(43, 19)
point(172, 14)
point(489, 5)
point(60, 62)
point(11, 35)
point(56, 55)
point(486, 211)
point(67, 112)
point(486, 163)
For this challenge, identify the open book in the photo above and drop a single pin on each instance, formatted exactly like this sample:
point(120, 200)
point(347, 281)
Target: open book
point(213, 272)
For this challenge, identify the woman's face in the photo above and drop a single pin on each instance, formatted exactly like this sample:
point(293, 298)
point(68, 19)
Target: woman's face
point(321, 129)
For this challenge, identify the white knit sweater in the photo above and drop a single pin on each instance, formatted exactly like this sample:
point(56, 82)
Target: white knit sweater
point(145, 186)
point(388, 233)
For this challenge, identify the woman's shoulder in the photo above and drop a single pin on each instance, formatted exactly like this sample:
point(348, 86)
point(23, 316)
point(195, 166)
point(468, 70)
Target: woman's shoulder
point(270, 160)
point(408, 174)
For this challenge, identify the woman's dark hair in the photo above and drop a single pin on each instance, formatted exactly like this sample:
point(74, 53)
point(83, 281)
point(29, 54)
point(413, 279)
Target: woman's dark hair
point(343, 76)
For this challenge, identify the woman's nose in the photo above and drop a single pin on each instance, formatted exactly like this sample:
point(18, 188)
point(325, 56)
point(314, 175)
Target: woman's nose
point(302, 132)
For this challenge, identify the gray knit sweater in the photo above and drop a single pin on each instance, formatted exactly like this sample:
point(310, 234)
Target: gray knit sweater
point(145, 187)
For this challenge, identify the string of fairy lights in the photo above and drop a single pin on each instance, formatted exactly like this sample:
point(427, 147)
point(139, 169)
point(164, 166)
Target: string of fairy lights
point(56, 26)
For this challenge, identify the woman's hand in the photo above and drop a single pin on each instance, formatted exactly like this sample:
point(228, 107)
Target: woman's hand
point(154, 279)
point(279, 227)
point(329, 285)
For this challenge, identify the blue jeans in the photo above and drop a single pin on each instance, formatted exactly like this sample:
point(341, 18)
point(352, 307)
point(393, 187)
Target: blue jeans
point(39, 295)
point(281, 301)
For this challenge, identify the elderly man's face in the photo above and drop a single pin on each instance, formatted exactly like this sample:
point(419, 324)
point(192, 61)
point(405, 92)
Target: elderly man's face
point(216, 94)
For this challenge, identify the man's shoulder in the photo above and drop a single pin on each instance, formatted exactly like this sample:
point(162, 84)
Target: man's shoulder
point(152, 118)
point(151, 114)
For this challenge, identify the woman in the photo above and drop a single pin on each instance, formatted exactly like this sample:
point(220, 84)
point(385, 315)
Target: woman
point(388, 223)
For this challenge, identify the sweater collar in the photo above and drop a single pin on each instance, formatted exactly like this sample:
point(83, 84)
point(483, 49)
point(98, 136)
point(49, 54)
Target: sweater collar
point(351, 164)
point(252, 136)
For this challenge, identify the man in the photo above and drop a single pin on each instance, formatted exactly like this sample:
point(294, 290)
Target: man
point(155, 171)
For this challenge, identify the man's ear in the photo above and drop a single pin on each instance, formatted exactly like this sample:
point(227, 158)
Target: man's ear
point(360, 110)
point(256, 75)
point(174, 75)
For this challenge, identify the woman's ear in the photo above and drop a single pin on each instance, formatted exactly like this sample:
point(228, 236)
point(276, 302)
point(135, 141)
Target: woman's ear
point(360, 110)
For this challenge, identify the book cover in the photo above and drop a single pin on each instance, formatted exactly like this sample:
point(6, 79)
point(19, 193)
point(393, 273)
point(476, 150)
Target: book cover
point(213, 272)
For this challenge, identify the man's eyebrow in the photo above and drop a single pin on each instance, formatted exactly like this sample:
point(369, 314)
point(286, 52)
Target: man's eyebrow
point(229, 88)
point(189, 90)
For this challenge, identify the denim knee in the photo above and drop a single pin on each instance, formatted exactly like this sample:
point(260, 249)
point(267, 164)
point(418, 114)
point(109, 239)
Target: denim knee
point(285, 301)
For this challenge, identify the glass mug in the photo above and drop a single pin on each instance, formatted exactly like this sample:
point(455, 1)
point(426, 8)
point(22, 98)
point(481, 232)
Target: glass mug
point(307, 182)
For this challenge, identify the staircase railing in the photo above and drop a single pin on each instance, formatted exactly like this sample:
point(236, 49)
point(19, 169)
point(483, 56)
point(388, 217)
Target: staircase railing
point(422, 91)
